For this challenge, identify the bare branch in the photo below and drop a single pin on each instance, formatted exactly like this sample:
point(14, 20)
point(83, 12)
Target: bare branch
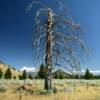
point(60, 36)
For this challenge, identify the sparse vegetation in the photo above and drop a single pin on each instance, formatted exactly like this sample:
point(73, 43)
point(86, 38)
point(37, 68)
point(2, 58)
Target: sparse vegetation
point(63, 90)
point(2, 88)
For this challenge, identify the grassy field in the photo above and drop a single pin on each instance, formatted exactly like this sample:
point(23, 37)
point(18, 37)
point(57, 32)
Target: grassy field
point(64, 90)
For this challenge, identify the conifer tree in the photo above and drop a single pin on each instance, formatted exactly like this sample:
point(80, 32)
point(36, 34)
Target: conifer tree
point(1, 73)
point(88, 75)
point(41, 72)
point(8, 74)
point(24, 75)
point(30, 77)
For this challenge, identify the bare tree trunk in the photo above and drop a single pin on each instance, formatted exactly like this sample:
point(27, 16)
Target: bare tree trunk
point(48, 57)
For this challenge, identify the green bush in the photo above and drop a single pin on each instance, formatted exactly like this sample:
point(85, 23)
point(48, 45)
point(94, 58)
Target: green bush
point(2, 89)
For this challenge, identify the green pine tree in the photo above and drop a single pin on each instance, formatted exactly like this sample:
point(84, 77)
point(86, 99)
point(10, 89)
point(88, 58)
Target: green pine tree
point(91, 76)
point(76, 76)
point(8, 74)
point(30, 77)
point(19, 77)
point(41, 72)
point(1, 73)
point(88, 75)
point(56, 76)
point(61, 76)
point(14, 77)
point(24, 75)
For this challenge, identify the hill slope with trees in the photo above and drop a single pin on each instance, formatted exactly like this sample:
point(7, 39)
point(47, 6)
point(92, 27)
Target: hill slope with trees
point(4, 67)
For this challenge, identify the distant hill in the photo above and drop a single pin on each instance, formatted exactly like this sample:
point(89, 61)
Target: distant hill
point(4, 66)
point(61, 72)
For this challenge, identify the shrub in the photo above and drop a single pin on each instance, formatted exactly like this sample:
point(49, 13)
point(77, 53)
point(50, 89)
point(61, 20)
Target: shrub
point(2, 88)
point(14, 77)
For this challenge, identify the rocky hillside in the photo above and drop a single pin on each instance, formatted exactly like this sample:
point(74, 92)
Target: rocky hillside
point(4, 66)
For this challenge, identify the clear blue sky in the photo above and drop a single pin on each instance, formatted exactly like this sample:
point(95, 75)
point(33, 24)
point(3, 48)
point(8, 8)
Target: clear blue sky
point(16, 27)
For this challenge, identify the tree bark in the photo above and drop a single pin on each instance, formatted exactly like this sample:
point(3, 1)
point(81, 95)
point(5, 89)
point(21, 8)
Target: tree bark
point(48, 57)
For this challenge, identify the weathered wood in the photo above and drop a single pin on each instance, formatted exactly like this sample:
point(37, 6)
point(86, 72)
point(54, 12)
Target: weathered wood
point(48, 57)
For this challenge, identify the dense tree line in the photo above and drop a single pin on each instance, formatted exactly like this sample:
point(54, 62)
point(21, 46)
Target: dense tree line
point(87, 75)
point(59, 74)
point(25, 75)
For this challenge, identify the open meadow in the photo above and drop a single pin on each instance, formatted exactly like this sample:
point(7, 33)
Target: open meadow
point(63, 90)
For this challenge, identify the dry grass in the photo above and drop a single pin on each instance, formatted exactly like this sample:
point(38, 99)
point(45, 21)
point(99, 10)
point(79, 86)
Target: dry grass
point(65, 92)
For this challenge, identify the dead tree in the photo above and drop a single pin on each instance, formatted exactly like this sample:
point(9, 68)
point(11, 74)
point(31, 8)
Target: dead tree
point(48, 57)
point(57, 39)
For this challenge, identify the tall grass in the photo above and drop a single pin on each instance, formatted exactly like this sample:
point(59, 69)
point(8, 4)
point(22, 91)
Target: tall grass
point(64, 90)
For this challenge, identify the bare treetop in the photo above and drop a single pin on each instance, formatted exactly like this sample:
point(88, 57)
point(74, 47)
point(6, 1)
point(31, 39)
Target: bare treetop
point(65, 36)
